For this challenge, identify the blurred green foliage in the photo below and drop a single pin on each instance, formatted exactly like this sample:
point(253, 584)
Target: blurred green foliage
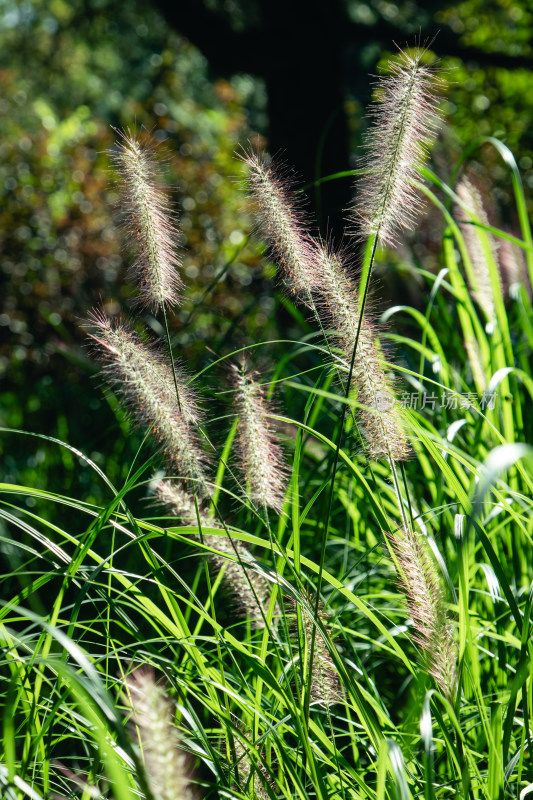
point(68, 75)
point(487, 97)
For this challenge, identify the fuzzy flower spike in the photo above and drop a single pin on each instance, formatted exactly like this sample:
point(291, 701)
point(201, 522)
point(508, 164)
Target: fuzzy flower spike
point(261, 458)
point(320, 275)
point(144, 380)
point(325, 687)
point(281, 222)
point(422, 585)
point(151, 222)
point(380, 418)
point(248, 591)
point(404, 122)
point(471, 212)
point(152, 715)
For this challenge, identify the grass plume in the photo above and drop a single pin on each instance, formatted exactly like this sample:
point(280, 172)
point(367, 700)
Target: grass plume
point(250, 769)
point(144, 381)
point(150, 222)
point(321, 277)
point(473, 211)
point(260, 456)
point(403, 122)
point(324, 684)
point(422, 585)
point(281, 221)
point(152, 714)
point(247, 589)
point(379, 418)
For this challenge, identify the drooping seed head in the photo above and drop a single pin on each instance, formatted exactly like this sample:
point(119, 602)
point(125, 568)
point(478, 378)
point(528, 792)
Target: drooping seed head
point(281, 221)
point(403, 123)
point(260, 456)
point(152, 714)
point(423, 588)
point(248, 591)
point(379, 415)
point(468, 215)
point(144, 381)
point(150, 222)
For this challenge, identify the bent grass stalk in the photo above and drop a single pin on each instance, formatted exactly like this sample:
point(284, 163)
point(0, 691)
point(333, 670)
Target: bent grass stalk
point(405, 121)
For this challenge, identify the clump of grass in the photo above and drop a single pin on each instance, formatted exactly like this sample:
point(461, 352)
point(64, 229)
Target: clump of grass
point(105, 586)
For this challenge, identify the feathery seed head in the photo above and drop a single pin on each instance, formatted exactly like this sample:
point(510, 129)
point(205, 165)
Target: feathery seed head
point(250, 770)
point(248, 590)
point(319, 274)
point(174, 497)
point(472, 211)
point(164, 758)
point(261, 457)
point(513, 268)
point(325, 687)
point(422, 586)
point(281, 222)
point(151, 222)
point(144, 381)
point(404, 122)
point(379, 416)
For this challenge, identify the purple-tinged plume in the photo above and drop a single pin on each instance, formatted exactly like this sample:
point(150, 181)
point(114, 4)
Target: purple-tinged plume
point(150, 222)
point(142, 378)
point(404, 122)
point(152, 714)
point(260, 455)
point(281, 222)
